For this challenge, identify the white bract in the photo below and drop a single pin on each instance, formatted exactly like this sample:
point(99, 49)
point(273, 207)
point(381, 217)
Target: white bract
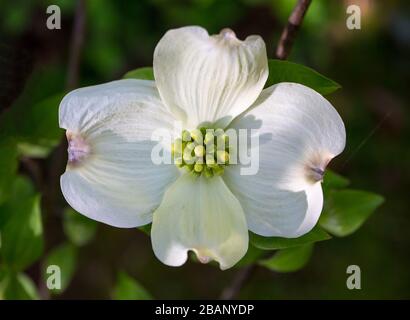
point(218, 80)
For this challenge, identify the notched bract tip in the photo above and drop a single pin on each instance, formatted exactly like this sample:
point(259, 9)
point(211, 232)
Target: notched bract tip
point(78, 149)
point(316, 174)
point(202, 255)
point(315, 170)
point(228, 33)
point(227, 36)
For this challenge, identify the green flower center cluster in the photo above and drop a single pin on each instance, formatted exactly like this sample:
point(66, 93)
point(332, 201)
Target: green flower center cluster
point(202, 151)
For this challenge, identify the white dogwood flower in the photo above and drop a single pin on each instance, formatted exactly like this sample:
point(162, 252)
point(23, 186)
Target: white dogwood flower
point(200, 79)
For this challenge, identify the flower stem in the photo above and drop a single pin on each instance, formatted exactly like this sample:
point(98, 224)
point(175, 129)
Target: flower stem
point(240, 278)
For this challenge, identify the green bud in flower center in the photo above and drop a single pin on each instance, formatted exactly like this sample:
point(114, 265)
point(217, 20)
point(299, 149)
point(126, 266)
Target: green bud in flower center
point(202, 151)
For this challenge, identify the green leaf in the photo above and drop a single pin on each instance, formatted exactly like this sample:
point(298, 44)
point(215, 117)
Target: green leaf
point(273, 243)
point(64, 257)
point(128, 288)
point(332, 180)
point(145, 73)
point(346, 210)
point(22, 232)
point(39, 130)
point(8, 167)
point(79, 229)
point(35, 127)
point(33, 150)
point(17, 287)
point(253, 254)
point(289, 260)
point(21, 188)
point(146, 229)
point(285, 71)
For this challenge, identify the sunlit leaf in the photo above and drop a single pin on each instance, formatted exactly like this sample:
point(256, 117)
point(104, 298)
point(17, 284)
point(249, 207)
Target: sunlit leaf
point(346, 210)
point(39, 129)
point(145, 73)
point(128, 288)
point(146, 229)
point(273, 243)
point(252, 255)
point(35, 127)
point(78, 228)
point(289, 260)
point(33, 150)
point(333, 180)
point(285, 71)
point(65, 258)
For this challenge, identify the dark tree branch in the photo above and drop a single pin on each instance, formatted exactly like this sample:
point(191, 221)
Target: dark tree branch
point(73, 70)
point(289, 32)
point(75, 51)
point(282, 52)
point(77, 41)
point(58, 157)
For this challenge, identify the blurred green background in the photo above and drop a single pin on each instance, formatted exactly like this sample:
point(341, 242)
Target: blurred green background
point(371, 64)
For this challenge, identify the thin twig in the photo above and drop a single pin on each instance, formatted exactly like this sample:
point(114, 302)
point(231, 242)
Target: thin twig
point(239, 280)
point(77, 41)
point(289, 32)
point(367, 138)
